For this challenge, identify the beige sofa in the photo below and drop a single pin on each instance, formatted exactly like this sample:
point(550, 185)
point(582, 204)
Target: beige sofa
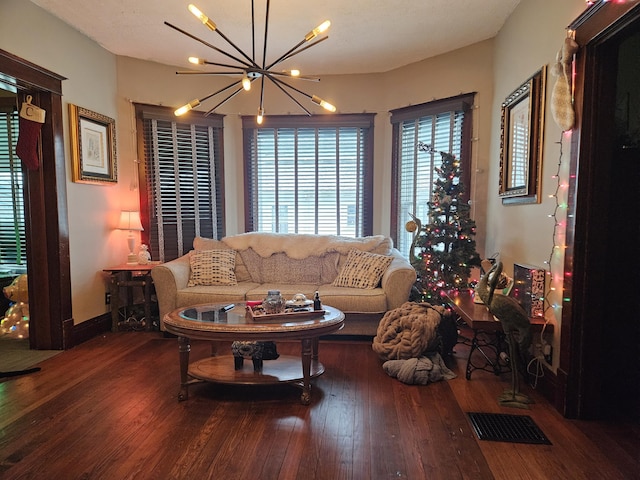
point(293, 263)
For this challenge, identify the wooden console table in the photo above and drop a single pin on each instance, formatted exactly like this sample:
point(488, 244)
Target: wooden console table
point(488, 338)
point(129, 276)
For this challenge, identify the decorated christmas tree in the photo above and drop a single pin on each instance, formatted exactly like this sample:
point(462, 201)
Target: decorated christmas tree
point(443, 250)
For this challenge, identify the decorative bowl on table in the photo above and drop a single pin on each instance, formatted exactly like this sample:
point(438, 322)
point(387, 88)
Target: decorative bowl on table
point(299, 300)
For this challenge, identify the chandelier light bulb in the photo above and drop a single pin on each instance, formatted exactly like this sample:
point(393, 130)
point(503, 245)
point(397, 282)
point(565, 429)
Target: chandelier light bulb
point(260, 117)
point(185, 108)
point(317, 31)
point(202, 17)
point(196, 60)
point(295, 73)
point(326, 105)
point(246, 83)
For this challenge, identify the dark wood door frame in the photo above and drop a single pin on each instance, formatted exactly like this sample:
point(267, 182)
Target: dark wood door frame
point(582, 359)
point(51, 322)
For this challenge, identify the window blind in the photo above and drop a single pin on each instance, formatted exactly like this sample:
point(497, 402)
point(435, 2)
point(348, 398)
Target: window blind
point(310, 175)
point(183, 194)
point(13, 242)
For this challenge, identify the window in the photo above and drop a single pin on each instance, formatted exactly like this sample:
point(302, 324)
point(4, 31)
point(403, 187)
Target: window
point(13, 241)
point(181, 187)
point(309, 175)
point(444, 124)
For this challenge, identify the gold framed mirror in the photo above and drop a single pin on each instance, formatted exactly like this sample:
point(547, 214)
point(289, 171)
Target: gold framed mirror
point(521, 141)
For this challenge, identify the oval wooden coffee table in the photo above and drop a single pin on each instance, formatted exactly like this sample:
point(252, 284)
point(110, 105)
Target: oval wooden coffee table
point(211, 322)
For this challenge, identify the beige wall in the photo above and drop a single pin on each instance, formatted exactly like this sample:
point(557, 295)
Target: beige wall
point(107, 84)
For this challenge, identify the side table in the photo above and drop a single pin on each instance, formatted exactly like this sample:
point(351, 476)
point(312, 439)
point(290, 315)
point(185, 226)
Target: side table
point(488, 338)
point(129, 276)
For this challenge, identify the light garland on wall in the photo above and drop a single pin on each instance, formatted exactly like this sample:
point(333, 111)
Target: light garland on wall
point(558, 240)
point(559, 229)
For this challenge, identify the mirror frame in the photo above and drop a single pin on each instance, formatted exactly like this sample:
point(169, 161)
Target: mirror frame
point(521, 141)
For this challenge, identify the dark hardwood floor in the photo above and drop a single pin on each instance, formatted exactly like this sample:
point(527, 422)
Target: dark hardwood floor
point(108, 409)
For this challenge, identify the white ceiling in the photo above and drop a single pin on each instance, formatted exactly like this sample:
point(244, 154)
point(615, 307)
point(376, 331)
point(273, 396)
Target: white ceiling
point(365, 36)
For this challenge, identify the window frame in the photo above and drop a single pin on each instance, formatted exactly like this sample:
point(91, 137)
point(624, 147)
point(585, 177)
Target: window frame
point(146, 112)
point(364, 121)
point(463, 103)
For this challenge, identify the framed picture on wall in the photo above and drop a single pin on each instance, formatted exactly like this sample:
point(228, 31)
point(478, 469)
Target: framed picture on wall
point(93, 146)
point(521, 141)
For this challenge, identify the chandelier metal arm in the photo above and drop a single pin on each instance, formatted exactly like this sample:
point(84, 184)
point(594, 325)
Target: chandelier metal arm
point(266, 33)
point(278, 83)
point(287, 74)
point(295, 50)
point(217, 92)
point(253, 30)
point(289, 54)
point(206, 62)
point(193, 72)
point(238, 49)
point(226, 99)
point(207, 44)
point(261, 107)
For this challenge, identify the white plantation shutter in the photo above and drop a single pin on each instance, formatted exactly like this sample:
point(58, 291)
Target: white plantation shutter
point(443, 124)
point(183, 180)
point(13, 244)
point(309, 174)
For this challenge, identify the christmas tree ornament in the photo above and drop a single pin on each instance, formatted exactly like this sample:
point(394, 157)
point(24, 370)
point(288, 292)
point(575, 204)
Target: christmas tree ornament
point(30, 124)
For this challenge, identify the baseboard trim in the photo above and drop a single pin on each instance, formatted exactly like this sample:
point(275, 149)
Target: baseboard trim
point(548, 385)
point(91, 328)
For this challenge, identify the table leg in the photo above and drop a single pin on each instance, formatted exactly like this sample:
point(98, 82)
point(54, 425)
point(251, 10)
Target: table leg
point(481, 341)
point(114, 289)
point(316, 342)
point(184, 347)
point(307, 347)
point(147, 302)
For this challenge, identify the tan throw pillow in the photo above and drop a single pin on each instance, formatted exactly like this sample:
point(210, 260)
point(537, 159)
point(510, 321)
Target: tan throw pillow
point(362, 270)
point(212, 267)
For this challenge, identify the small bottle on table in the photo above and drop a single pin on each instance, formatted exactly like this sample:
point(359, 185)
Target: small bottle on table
point(317, 305)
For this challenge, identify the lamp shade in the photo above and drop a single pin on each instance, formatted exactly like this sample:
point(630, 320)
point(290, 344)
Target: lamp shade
point(130, 220)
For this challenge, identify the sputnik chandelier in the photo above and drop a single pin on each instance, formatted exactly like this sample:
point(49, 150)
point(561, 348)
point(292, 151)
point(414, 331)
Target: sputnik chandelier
point(247, 68)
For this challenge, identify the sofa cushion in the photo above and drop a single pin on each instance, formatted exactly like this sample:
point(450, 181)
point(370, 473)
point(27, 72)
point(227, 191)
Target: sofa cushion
point(212, 267)
point(280, 268)
point(373, 300)
point(362, 270)
point(202, 243)
point(219, 294)
point(354, 300)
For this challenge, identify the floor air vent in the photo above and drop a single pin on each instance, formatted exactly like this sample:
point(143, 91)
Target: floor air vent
point(499, 427)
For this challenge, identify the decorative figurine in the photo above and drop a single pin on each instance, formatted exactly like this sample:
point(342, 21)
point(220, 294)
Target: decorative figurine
point(144, 257)
point(514, 321)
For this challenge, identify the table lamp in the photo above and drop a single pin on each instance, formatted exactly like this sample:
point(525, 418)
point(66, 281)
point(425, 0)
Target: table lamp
point(130, 220)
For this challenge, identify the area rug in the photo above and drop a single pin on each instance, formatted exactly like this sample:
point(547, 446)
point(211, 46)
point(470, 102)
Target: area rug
point(16, 358)
point(498, 427)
